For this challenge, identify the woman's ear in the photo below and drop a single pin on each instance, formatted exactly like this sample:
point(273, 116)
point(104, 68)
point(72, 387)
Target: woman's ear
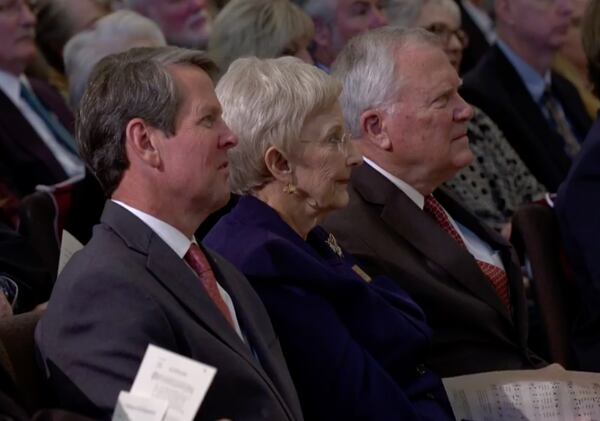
point(373, 126)
point(142, 141)
point(278, 165)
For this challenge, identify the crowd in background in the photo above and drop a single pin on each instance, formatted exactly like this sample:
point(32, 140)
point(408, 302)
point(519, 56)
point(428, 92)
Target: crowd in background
point(313, 196)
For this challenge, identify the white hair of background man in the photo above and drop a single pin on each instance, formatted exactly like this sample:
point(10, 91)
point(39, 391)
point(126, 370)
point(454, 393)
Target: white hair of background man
point(368, 70)
point(114, 33)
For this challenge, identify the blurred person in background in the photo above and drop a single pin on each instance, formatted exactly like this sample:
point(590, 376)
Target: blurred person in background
point(113, 33)
point(261, 28)
point(57, 22)
point(336, 21)
point(540, 112)
point(571, 61)
point(184, 23)
point(497, 181)
point(36, 141)
point(477, 18)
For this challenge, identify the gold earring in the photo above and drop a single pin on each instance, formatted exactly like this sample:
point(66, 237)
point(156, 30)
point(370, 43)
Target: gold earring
point(289, 189)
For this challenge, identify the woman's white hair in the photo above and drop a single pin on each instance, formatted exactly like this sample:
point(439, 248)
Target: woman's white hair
point(261, 28)
point(113, 33)
point(266, 103)
point(367, 68)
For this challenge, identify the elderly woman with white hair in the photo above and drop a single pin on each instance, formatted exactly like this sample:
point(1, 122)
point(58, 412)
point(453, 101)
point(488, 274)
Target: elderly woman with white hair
point(113, 33)
point(354, 344)
point(260, 28)
point(497, 182)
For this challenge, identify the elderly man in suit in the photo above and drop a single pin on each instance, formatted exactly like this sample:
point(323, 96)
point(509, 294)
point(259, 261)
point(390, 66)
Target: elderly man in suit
point(412, 126)
point(336, 21)
point(36, 147)
point(156, 141)
point(539, 111)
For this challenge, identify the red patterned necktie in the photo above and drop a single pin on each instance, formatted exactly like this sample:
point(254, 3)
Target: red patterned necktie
point(198, 262)
point(494, 274)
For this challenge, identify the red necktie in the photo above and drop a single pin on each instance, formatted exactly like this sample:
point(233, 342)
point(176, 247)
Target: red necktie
point(197, 260)
point(494, 274)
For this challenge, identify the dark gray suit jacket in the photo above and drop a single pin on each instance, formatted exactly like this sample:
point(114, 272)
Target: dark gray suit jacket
point(472, 330)
point(127, 289)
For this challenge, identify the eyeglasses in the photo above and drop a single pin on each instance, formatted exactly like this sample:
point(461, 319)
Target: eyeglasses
point(334, 141)
point(445, 33)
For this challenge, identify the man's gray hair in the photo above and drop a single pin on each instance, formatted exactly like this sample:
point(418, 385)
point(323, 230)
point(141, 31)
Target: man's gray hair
point(261, 28)
point(134, 84)
point(266, 103)
point(367, 68)
point(112, 33)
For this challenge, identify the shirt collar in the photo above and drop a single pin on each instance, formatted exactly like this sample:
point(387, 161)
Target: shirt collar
point(168, 233)
point(9, 84)
point(534, 82)
point(410, 191)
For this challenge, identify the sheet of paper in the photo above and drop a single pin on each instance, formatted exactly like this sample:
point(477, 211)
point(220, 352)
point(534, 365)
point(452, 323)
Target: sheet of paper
point(68, 247)
point(549, 394)
point(139, 408)
point(181, 381)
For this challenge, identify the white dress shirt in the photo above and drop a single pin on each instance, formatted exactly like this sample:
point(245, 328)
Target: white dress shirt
point(180, 244)
point(478, 248)
point(71, 164)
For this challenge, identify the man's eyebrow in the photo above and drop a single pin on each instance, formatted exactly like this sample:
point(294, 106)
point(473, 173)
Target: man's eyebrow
point(208, 109)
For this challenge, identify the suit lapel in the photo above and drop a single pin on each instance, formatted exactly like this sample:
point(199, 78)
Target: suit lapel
point(528, 110)
point(174, 275)
point(406, 220)
point(24, 140)
point(251, 329)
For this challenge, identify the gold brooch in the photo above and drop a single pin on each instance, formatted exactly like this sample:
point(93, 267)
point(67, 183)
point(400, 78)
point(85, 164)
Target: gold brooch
point(333, 245)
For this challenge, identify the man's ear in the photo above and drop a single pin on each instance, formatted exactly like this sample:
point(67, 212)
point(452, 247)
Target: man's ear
point(141, 141)
point(372, 124)
point(278, 165)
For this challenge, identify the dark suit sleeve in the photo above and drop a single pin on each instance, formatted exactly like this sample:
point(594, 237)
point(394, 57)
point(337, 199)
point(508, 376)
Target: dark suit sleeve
point(577, 211)
point(327, 364)
point(92, 342)
point(19, 263)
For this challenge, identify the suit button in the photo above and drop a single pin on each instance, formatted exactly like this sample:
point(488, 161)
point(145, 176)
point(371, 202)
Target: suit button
point(430, 396)
point(420, 369)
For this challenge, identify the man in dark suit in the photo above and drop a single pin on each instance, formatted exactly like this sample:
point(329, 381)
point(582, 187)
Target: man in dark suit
point(36, 146)
point(156, 141)
point(412, 127)
point(539, 111)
